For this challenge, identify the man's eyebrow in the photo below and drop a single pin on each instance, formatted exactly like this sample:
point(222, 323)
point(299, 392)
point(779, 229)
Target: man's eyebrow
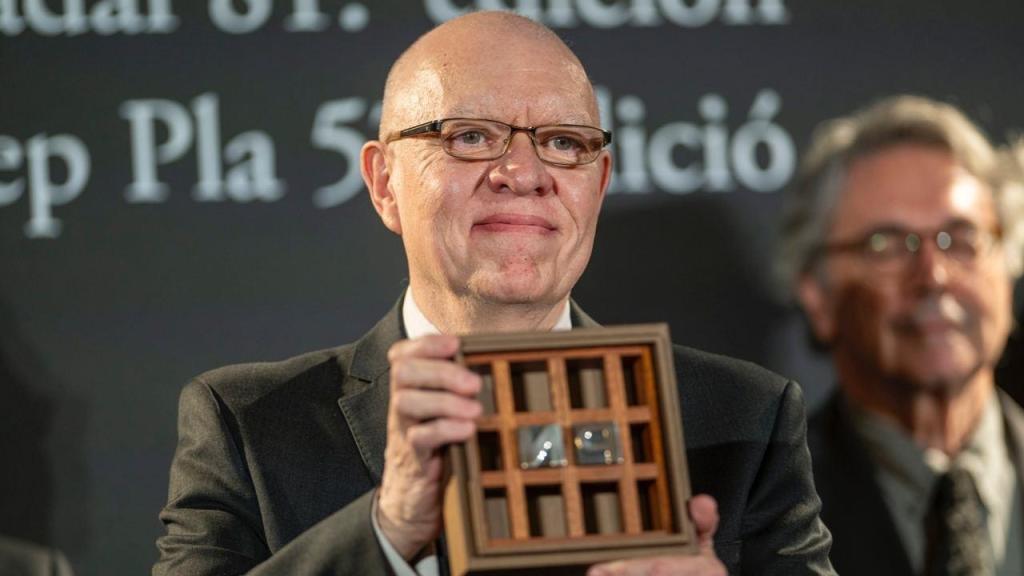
point(960, 221)
point(467, 110)
point(573, 120)
point(463, 111)
point(883, 228)
point(896, 227)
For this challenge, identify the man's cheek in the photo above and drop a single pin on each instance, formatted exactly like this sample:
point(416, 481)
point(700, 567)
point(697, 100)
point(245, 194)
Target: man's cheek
point(861, 321)
point(990, 326)
point(978, 308)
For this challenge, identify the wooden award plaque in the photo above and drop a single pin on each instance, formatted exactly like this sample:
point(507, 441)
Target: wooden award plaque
point(578, 457)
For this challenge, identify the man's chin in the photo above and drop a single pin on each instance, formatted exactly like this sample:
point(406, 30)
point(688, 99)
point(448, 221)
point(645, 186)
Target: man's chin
point(511, 289)
point(515, 295)
point(947, 355)
point(945, 376)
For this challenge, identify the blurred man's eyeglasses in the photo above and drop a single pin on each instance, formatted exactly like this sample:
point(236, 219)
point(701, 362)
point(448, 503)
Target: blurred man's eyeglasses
point(891, 249)
point(478, 139)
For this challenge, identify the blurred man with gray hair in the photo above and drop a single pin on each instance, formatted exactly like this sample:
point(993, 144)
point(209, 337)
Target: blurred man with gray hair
point(901, 241)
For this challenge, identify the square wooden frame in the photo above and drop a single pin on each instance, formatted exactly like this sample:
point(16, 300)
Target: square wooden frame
point(469, 549)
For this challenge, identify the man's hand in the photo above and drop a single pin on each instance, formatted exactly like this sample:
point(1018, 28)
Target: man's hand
point(433, 403)
point(704, 511)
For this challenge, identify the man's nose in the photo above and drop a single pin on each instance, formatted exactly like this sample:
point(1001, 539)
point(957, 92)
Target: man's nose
point(520, 170)
point(930, 267)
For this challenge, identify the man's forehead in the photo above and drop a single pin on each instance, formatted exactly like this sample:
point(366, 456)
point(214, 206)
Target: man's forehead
point(513, 90)
point(912, 186)
point(489, 67)
point(422, 91)
point(536, 109)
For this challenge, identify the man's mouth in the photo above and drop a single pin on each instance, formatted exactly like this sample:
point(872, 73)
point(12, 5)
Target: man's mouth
point(935, 315)
point(522, 223)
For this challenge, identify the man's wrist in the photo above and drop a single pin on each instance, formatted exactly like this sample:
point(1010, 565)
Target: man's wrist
point(401, 540)
point(427, 566)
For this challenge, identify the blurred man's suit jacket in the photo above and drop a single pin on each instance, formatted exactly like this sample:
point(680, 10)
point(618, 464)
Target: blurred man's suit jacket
point(865, 538)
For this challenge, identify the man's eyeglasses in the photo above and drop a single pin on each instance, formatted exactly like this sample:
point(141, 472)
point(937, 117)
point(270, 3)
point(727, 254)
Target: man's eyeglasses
point(478, 139)
point(891, 249)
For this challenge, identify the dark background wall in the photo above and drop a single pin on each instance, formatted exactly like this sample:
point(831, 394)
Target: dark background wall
point(177, 192)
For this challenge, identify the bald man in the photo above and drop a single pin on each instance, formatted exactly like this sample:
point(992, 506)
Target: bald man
point(491, 166)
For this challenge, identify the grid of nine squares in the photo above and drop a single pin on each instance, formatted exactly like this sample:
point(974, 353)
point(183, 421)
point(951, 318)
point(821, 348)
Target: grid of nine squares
point(630, 405)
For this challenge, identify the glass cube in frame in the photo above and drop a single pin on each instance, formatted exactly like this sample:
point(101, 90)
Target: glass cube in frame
point(597, 443)
point(541, 446)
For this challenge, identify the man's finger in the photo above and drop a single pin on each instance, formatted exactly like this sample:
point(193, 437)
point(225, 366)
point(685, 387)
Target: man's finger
point(420, 404)
point(408, 372)
point(704, 512)
point(431, 435)
point(661, 566)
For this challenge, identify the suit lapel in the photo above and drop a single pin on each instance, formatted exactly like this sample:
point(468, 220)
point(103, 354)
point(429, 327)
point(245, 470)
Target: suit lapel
point(366, 413)
point(365, 392)
point(580, 319)
point(853, 507)
point(1013, 418)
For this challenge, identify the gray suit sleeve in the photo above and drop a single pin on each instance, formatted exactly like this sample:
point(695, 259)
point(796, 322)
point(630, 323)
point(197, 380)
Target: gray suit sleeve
point(213, 518)
point(783, 533)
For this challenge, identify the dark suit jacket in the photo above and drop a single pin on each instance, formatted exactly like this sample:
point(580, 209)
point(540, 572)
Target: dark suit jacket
point(866, 538)
point(276, 464)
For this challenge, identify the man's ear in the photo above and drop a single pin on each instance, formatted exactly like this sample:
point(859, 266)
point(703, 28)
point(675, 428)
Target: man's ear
point(605, 161)
point(816, 301)
point(373, 163)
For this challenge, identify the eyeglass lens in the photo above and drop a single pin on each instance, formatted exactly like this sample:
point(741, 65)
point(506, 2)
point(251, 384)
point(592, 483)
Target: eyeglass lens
point(487, 140)
point(961, 244)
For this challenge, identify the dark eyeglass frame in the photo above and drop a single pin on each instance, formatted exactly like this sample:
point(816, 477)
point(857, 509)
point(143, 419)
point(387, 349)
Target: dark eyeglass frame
point(913, 241)
point(434, 127)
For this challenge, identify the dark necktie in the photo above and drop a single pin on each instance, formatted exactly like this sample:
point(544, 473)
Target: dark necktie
point(955, 529)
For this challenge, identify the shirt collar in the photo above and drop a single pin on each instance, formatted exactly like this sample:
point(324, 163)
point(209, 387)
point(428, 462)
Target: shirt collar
point(987, 458)
point(416, 323)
